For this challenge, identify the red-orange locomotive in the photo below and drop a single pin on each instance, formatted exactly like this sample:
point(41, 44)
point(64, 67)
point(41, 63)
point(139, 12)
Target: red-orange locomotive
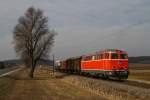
point(111, 63)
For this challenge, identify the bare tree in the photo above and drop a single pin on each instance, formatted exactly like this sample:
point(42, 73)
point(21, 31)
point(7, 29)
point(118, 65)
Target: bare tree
point(32, 38)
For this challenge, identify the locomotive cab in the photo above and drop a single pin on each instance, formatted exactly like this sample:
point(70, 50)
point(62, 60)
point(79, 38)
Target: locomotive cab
point(119, 64)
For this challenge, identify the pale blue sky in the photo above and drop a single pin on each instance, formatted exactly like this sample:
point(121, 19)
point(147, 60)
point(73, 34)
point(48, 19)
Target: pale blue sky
point(84, 26)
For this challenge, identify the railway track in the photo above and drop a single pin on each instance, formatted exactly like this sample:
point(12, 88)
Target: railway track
point(136, 83)
point(130, 82)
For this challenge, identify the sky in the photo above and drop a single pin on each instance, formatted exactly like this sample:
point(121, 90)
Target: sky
point(83, 26)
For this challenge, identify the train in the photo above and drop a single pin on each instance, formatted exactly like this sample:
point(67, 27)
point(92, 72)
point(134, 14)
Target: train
point(108, 64)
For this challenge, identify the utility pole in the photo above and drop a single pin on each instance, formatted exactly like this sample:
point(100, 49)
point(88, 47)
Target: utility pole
point(53, 64)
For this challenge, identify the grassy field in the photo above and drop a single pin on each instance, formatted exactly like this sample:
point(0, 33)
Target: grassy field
point(136, 66)
point(139, 71)
point(44, 86)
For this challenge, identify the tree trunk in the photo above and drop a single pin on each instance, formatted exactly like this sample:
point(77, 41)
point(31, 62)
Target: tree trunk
point(32, 69)
point(31, 72)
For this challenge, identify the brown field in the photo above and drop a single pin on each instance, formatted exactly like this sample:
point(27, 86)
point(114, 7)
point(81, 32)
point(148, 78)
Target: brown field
point(139, 66)
point(139, 71)
point(44, 86)
point(60, 86)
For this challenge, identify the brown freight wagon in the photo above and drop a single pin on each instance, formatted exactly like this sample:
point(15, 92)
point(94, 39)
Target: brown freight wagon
point(62, 66)
point(2, 65)
point(71, 65)
point(77, 64)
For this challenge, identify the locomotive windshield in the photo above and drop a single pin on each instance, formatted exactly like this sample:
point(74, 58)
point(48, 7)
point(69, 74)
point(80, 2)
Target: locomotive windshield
point(119, 56)
point(123, 56)
point(114, 56)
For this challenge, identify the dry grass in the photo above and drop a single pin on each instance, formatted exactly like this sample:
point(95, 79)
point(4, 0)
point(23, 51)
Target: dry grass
point(44, 86)
point(139, 71)
point(111, 90)
point(140, 75)
point(139, 66)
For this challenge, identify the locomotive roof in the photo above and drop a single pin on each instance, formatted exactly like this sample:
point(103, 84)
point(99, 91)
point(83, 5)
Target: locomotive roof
point(107, 50)
point(112, 50)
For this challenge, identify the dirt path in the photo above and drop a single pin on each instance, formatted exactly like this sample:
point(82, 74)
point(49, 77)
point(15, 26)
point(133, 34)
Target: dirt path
point(18, 86)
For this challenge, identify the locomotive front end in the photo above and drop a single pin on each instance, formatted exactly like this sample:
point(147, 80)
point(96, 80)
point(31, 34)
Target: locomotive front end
point(119, 63)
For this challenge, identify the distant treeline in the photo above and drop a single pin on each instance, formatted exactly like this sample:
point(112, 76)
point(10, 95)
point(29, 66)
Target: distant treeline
point(140, 59)
point(16, 62)
point(9, 63)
